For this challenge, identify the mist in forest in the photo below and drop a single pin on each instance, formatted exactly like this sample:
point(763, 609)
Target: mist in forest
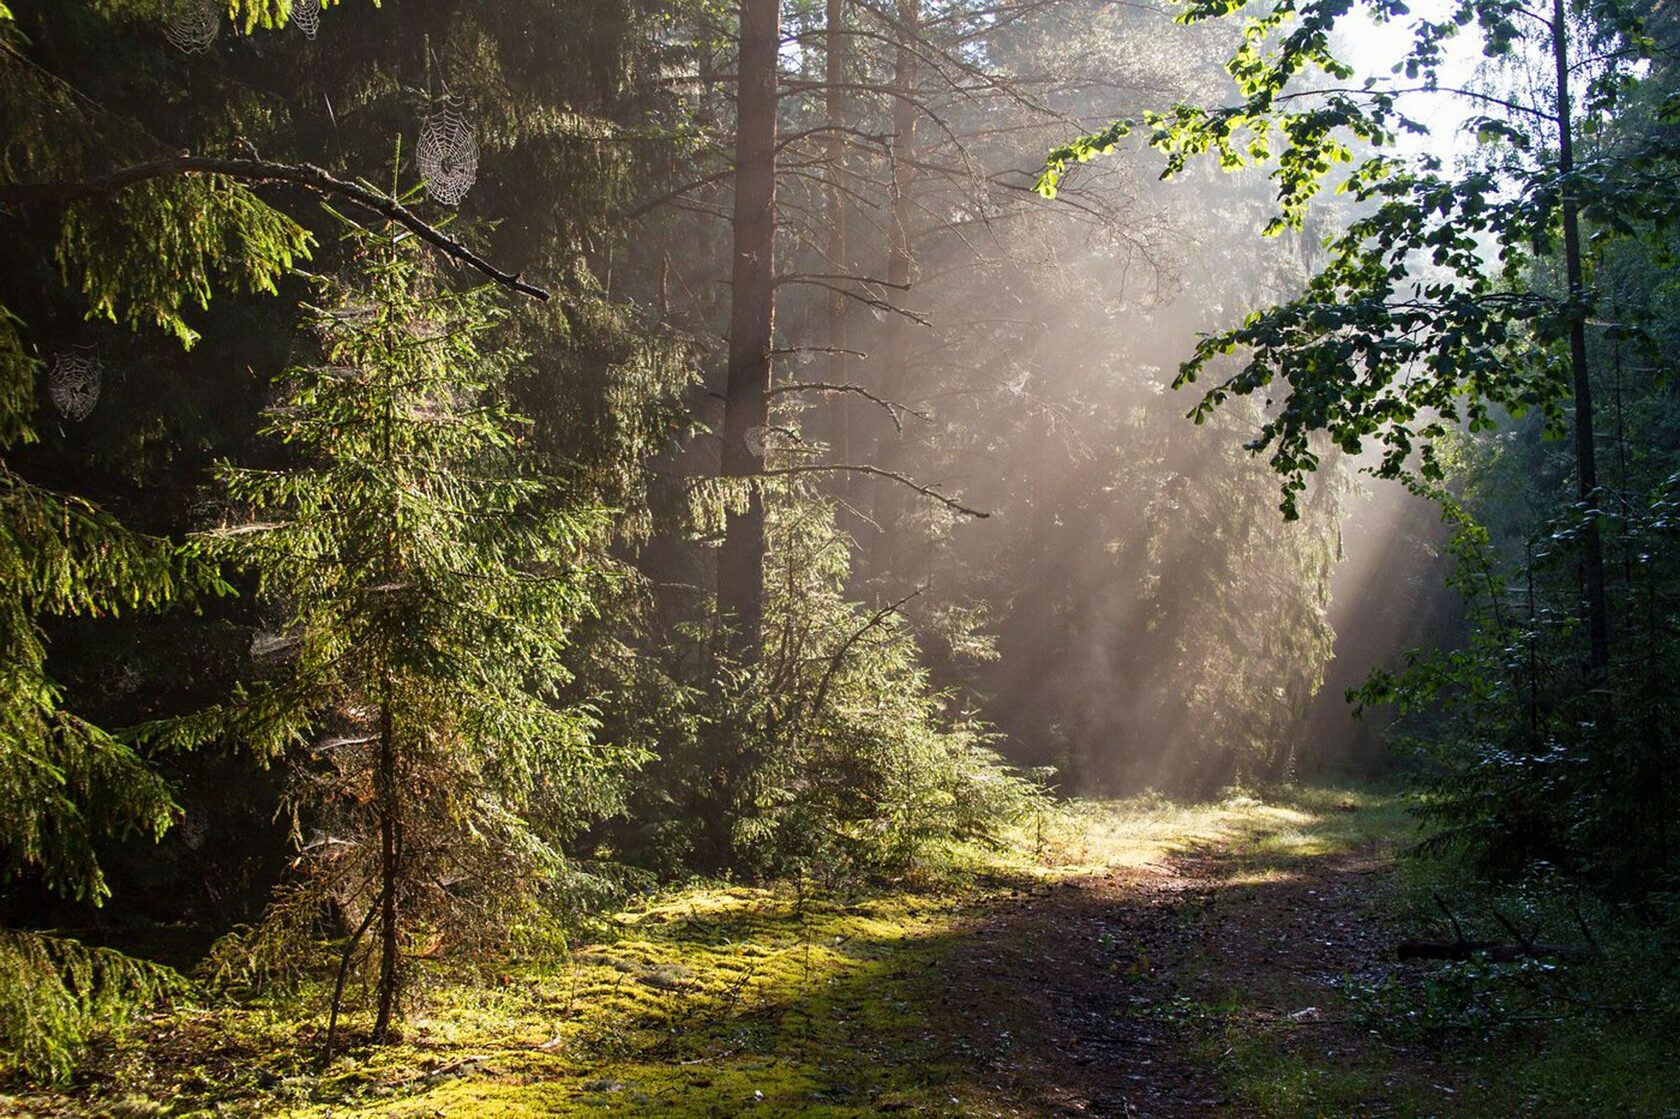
point(866, 448)
point(1133, 610)
point(1156, 621)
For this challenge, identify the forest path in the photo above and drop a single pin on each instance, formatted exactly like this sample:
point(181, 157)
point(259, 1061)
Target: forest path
point(1180, 987)
point(1140, 959)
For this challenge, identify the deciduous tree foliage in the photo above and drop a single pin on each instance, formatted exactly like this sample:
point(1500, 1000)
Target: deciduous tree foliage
point(1461, 297)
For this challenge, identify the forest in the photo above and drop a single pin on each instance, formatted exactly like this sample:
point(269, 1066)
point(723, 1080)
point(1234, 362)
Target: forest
point(839, 557)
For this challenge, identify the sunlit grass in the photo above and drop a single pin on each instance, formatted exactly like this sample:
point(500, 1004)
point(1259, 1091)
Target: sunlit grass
point(1095, 835)
point(709, 1001)
point(712, 999)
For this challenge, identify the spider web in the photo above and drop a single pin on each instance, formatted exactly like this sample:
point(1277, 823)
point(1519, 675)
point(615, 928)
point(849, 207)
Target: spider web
point(757, 440)
point(74, 384)
point(306, 17)
point(265, 643)
point(193, 24)
point(447, 156)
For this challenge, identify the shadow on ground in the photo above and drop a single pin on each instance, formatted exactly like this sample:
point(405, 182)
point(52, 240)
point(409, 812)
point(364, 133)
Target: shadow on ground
point(1135, 990)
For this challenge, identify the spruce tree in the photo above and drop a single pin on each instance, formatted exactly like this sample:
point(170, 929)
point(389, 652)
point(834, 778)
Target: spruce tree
point(421, 582)
point(68, 784)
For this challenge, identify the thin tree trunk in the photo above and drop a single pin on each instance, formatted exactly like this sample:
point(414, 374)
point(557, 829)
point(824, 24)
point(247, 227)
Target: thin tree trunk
point(387, 790)
point(390, 854)
point(751, 324)
point(889, 451)
point(1586, 463)
point(338, 983)
point(840, 407)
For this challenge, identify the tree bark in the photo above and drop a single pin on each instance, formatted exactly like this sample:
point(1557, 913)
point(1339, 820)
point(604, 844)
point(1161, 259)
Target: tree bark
point(840, 408)
point(889, 450)
point(386, 783)
point(390, 874)
point(751, 325)
point(1586, 462)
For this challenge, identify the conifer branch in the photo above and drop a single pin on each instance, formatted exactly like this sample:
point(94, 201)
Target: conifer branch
point(306, 175)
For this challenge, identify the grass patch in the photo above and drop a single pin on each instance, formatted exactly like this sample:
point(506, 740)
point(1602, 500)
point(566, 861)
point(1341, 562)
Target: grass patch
point(1095, 835)
point(724, 1000)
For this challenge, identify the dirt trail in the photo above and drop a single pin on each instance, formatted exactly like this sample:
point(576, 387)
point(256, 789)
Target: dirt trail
point(1092, 998)
point(1209, 982)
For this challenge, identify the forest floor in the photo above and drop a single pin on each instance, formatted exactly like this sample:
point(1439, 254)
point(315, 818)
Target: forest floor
point(1136, 959)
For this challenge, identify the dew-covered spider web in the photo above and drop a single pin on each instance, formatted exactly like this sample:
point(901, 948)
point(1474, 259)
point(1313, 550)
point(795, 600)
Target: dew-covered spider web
point(447, 156)
point(74, 383)
point(266, 643)
point(306, 17)
point(192, 25)
point(757, 439)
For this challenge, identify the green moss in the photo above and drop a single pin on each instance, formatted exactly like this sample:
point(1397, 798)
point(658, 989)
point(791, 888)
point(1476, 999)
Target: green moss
point(711, 1000)
point(722, 1001)
point(707, 1002)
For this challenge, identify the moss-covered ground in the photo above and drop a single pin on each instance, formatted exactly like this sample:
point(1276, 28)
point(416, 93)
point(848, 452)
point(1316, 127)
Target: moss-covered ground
point(1136, 958)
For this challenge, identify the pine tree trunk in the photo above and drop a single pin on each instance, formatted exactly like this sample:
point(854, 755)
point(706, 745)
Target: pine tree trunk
point(1586, 463)
point(889, 449)
point(751, 323)
point(840, 406)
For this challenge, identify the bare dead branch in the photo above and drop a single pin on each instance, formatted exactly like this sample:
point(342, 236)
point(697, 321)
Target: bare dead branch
point(843, 277)
point(785, 350)
point(843, 468)
point(868, 300)
point(1515, 932)
point(726, 172)
point(839, 656)
point(893, 408)
point(1458, 930)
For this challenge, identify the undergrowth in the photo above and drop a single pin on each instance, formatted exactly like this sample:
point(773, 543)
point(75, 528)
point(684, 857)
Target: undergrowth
point(1540, 1037)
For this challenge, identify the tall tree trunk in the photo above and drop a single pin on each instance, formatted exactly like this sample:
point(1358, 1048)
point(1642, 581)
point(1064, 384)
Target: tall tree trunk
point(889, 451)
point(751, 323)
point(840, 406)
point(1586, 462)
